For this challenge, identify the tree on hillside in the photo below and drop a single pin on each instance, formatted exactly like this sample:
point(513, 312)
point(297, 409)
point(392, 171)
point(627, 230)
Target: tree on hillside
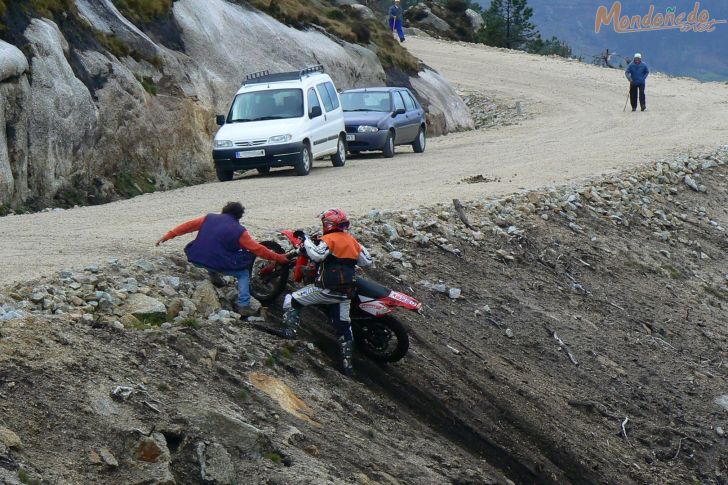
point(507, 24)
point(549, 47)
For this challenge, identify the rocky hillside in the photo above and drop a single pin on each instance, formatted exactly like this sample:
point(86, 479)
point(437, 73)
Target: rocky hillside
point(95, 104)
point(570, 335)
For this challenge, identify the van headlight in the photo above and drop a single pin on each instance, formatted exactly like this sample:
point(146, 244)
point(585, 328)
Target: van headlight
point(223, 144)
point(280, 138)
point(367, 129)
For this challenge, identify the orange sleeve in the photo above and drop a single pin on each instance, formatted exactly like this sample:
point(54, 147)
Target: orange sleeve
point(247, 242)
point(185, 228)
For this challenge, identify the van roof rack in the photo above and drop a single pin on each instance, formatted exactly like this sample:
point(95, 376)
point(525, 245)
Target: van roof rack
point(262, 77)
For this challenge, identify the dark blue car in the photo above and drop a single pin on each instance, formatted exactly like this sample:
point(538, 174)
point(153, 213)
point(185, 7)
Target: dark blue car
point(381, 118)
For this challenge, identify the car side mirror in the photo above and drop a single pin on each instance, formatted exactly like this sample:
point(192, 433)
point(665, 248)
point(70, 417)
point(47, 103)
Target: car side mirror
point(220, 119)
point(399, 111)
point(315, 112)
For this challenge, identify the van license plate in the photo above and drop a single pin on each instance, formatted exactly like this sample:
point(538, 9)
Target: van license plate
point(350, 137)
point(250, 154)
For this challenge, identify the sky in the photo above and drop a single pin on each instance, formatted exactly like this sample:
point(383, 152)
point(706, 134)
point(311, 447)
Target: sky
point(703, 55)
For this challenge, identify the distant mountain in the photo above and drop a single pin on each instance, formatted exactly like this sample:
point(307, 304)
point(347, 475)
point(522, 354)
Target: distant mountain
point(700, 55)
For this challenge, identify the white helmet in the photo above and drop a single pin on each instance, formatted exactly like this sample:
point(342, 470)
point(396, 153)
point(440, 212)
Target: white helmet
point(638, 56)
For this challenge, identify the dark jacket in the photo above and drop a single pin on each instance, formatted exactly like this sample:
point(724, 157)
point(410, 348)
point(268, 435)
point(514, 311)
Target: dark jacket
point(217, 245)
point(637, 73)
point(395, 12)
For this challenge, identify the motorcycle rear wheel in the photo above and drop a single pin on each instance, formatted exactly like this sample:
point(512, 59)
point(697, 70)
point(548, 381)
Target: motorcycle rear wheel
point(382, 339)
point(267, 287)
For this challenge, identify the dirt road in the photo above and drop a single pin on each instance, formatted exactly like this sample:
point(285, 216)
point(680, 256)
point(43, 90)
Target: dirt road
point(577, 130)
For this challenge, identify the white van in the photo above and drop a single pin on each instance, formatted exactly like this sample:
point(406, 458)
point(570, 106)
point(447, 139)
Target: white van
point(279, 120)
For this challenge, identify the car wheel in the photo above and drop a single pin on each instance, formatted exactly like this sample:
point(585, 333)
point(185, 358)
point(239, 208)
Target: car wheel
point(389, 145)
point(419, 144)
point(224, 175)
point(338, 159)
point(263, 170)
point(303, 166)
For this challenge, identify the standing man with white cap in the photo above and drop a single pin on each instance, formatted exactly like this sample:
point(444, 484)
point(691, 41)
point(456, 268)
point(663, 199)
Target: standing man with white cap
point(637, 73)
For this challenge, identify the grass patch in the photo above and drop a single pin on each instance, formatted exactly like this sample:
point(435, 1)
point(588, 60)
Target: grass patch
point(242, 395)
point(128, 183)
point(148, 84)
point(672, 271)
point(148, 322)
point(191, 323)
point(270, 361)
point(143, 10)
point(162, 387)
point(716, 292)
point(344, 23)
point(274, 457)
point(285, 353)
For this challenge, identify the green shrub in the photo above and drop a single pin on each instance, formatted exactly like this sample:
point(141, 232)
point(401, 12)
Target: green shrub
point(274, 457)
point(143, 10)
point(191, 323)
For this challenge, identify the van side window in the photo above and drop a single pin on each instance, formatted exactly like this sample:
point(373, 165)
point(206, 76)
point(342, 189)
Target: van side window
point(312, 100)
point(408, 102)
point(398, 103)
point(325, 98)
point(332, 93)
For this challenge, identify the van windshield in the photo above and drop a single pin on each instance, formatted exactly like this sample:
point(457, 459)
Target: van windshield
point(366, 101)
point(274, 104)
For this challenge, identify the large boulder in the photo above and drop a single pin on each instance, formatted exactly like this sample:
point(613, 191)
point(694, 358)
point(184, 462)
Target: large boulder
point(475, 19)
point(62, 111)
point(14, 106)
point(420, 14)
point(446, 111)
point(145, 308)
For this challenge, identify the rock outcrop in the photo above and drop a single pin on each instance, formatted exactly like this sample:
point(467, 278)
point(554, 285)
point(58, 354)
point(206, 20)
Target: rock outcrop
point(445, 110)
point(83, 119)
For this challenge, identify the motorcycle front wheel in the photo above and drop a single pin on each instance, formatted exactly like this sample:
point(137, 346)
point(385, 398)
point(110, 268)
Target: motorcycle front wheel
point(268, 279)
point(382, 339)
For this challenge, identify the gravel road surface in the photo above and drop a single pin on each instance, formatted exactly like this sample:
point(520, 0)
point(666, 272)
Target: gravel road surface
point(576, 129)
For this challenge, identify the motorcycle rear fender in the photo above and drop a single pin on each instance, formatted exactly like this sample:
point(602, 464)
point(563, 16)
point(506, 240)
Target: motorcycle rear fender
point(376, 308)
point(402, 300)
point(291, 237)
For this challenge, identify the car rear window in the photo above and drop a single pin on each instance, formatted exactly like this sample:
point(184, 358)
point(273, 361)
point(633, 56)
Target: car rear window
point(398, 103)
point(325, 98)
point(333, 94)
point(408, 101)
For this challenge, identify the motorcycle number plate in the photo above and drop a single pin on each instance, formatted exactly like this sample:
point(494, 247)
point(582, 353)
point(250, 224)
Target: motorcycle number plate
point(350, 137)
point(250, 154)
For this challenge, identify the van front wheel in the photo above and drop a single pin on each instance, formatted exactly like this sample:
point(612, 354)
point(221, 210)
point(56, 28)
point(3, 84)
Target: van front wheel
point(303, 166)
point(224, 175)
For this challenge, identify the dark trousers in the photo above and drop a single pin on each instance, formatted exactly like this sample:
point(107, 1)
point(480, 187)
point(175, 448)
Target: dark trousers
point(396, 23)
point(633, 90)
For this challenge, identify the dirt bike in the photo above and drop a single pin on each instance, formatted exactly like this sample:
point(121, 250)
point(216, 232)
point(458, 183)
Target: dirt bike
point(377, 334)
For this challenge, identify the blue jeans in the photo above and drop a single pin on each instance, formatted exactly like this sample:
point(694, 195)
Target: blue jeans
point(396, 23)
point(243, 277)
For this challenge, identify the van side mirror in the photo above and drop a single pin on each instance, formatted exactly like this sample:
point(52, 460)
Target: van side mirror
point(399, 111)
point(315, 112)
point(220, 119)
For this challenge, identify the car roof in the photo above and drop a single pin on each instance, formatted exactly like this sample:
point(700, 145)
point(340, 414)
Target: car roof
point(263, 80)
point(381, 89)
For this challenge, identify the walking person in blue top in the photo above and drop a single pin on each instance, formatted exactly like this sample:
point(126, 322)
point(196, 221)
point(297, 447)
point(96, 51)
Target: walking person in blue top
point(395, 19)
point(637, 73)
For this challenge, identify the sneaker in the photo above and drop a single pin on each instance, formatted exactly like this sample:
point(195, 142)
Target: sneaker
point(245, 311)
point(644, 108)
point(217, 280)
point(634, 109)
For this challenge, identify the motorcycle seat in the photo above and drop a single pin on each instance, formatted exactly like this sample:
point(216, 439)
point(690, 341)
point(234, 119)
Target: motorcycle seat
point(371, 289)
